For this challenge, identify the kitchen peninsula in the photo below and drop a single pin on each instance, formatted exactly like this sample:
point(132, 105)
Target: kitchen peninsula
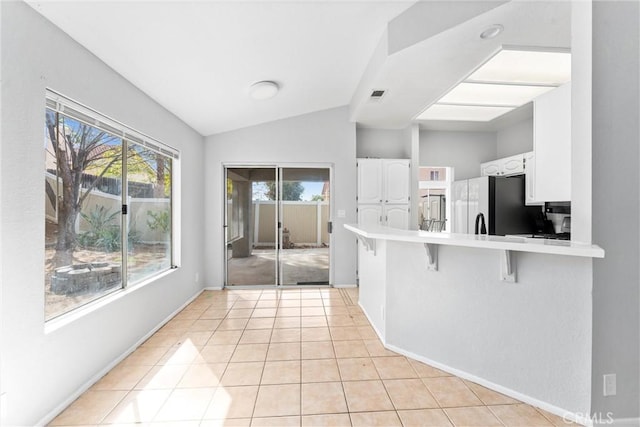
point(513, 314)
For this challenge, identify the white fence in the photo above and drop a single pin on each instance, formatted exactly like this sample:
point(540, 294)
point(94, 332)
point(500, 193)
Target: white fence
point(305, 221)
point(138, 216)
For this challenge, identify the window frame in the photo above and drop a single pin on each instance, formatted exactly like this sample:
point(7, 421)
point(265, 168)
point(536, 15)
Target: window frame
point(62, 105)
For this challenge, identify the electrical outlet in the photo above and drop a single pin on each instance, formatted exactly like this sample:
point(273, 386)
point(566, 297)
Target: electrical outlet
point(609, 384)
point(197, 277)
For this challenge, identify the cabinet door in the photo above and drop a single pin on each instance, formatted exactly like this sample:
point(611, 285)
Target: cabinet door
point(530, 179)
point(396, 216)
point(512, 165)
point(369, 181)
point(369, 215)
point(490, 168)
point(552, 145)
point(396, 181)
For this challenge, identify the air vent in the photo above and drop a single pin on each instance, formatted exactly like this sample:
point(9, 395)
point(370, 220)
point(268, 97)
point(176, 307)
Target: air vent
point(377, 94)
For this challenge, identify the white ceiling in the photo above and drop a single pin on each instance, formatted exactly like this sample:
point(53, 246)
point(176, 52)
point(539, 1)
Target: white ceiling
point(420, 74)
point(198, 58)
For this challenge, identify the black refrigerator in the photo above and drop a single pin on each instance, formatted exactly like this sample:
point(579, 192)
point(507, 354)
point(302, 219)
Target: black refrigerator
point(501, 200)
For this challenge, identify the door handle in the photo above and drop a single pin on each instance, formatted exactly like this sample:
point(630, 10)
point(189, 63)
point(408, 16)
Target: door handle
point(330, 227)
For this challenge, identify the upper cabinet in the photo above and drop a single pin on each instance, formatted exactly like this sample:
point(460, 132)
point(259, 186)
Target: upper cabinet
point(552, 147)
point(507, 166)
point(383, 192)
point(395, 181)
point(548, 167)
point(383, 181)
point(369, 181)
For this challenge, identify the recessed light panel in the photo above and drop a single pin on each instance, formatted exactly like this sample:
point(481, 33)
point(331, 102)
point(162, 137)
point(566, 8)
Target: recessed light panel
point(471, 113)
point(493, 94)
point(509, 79)
point(524, 66)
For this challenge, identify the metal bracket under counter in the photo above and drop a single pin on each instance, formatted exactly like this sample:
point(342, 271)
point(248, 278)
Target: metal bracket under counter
point(369, 243)
point(432, 256)
point(507, 266)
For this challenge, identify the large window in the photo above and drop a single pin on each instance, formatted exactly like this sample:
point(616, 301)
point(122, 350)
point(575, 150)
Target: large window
point(108, 198)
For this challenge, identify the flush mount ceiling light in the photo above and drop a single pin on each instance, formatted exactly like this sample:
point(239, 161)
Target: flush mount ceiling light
point(263, 90)
point(507, 80)
point(491, 31)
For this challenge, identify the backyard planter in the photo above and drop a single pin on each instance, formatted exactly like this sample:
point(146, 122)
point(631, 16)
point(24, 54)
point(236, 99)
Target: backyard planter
point(85, 278)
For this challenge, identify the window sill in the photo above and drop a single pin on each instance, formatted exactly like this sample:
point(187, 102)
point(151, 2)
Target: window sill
point(63, 320)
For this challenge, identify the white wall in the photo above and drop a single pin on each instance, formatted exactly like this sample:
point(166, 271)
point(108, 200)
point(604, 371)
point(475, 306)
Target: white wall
point(616, 206)
point(463, 151)
point(530, 339)
point(515, 139)
point(320, 137)
point(382, 143)
point(41, 370)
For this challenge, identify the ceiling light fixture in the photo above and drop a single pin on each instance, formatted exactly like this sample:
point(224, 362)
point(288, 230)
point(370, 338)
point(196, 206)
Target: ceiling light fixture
point(264, 90)
point(507, 80)
point(491, 31)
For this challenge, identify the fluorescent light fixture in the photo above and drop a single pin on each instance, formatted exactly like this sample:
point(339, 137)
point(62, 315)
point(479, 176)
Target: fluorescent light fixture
point(526, 66)
point(492, 94)
point(471, 113)
point(507, 80)
point(263, 90)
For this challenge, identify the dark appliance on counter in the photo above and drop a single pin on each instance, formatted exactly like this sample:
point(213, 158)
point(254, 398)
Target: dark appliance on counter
point(544, 226)
point(500, 200)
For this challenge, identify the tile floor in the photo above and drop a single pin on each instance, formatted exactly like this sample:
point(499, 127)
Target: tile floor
point(284, 358)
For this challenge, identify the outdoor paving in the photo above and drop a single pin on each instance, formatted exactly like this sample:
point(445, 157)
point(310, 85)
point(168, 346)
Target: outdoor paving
point(300, 266)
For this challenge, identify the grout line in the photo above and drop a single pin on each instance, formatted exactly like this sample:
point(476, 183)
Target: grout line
point(231, 299)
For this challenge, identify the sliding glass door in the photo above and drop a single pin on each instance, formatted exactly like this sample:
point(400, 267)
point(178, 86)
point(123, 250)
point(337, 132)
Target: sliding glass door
point(277, 222)
point(304, 212)
point(250, 226)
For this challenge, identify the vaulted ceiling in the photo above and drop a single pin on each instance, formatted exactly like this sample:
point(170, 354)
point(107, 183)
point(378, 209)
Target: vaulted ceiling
point(198, 58)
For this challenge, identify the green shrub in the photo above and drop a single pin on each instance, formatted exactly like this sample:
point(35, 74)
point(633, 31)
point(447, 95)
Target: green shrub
point(159, 221)
point(103, 234)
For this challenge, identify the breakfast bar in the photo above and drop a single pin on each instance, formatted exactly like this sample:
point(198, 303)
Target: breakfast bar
point(511, 313)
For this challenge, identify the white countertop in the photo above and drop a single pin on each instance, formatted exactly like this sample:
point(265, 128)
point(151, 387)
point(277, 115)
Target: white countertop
point(523, 244)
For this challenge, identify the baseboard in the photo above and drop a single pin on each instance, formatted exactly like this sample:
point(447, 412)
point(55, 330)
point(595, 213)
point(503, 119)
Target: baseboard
point(563, 413)
point(344, 286)
point(213, 288)
point(378, 333)
point(569, 416)
point(68, 401)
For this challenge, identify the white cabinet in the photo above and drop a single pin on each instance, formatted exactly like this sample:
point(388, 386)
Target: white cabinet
point(396, 216)
point(369, 181)
point(490, 168)
point(383, 192)
point(395, 181)
point(530, 179)
point(513, 165)
point(552, 146)
point(370, 214)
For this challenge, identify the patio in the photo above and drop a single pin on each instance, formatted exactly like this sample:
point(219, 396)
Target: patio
point(301, 266)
